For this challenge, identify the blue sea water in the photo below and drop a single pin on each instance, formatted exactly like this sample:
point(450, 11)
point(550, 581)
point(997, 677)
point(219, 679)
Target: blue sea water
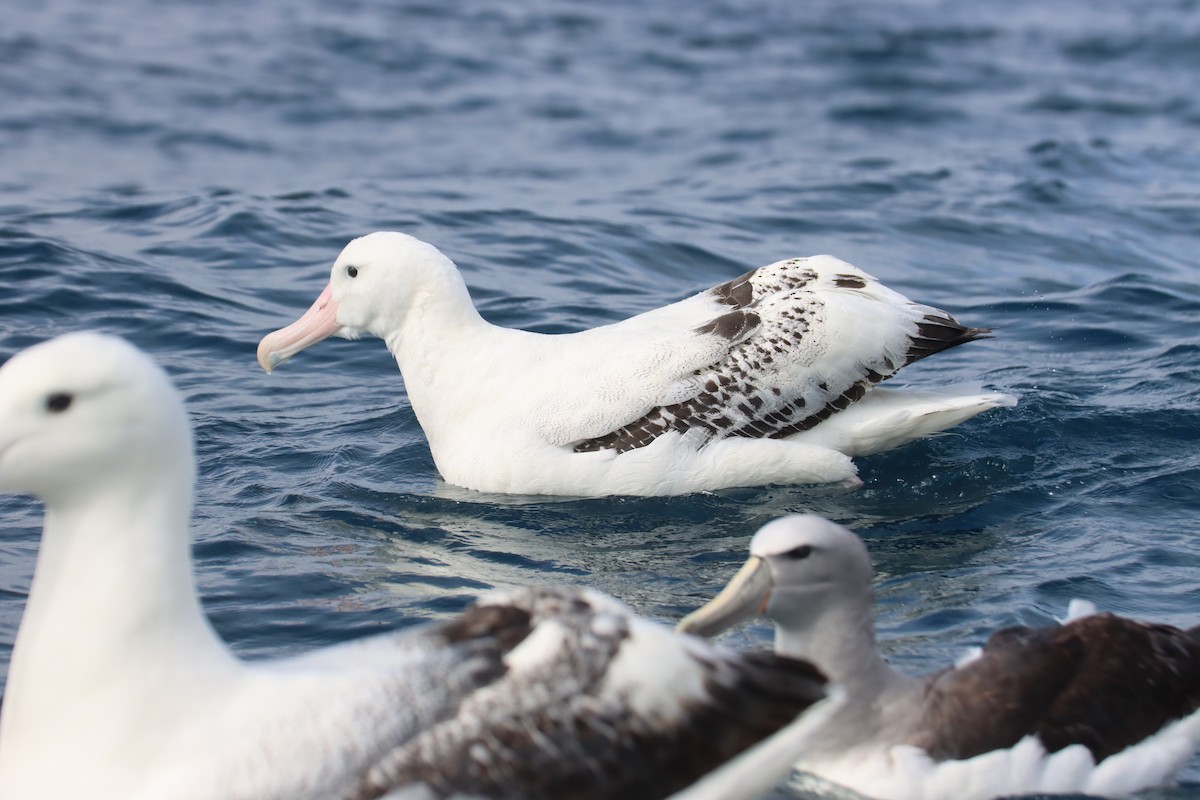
point(184, 173)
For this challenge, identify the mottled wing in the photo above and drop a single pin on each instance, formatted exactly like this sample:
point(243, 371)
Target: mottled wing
point(1100, 681)
point(804, 338)
point(599, 704)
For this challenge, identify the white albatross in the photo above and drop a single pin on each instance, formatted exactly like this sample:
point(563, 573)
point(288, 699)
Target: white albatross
point(1100, 705)
point(768, 378)
point(120, 689)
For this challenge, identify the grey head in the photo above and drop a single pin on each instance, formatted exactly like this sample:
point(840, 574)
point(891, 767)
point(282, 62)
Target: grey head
point(804, 571)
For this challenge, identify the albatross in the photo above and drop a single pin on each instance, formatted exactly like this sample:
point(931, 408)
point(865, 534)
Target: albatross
point(1100, 705)
point(767, 378)
point(120, 689)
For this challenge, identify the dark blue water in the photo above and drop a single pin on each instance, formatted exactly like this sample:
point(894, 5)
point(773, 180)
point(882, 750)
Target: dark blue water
point(183, 174)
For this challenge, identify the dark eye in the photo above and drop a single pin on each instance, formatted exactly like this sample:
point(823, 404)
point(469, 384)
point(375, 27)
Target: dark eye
point(352, 272)
point(803, 551)
point(59, 402)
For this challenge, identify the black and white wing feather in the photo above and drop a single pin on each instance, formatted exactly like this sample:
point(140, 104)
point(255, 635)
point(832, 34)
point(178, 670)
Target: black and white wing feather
point(594, 703)
point(799, 341)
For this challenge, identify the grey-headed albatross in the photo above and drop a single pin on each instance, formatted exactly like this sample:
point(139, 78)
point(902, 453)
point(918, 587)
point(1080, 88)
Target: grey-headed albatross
point(1100, 705)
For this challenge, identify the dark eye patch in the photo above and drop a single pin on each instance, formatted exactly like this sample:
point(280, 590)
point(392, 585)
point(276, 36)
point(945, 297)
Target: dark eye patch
point(795, 554)
point(59, 402)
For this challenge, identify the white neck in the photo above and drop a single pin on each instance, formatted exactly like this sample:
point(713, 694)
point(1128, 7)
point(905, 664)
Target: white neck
point(440, 312)
point(441, 345)
point(112, 627)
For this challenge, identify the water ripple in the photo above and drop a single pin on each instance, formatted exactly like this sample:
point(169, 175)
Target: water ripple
point(185, 174)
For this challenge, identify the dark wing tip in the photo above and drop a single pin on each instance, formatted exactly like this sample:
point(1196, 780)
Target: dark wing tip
point(792, 680)
point(738, 292)
point(734, 326)
point(936, 333)
point(505, 625)
point(978, 333)
point(762, 692)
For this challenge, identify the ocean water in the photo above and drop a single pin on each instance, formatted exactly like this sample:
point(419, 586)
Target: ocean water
point(183, 174)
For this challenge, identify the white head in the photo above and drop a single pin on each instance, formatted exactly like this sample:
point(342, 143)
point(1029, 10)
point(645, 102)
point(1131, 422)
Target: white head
point(374, 283)
point(83, 410)
point(801, 567)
